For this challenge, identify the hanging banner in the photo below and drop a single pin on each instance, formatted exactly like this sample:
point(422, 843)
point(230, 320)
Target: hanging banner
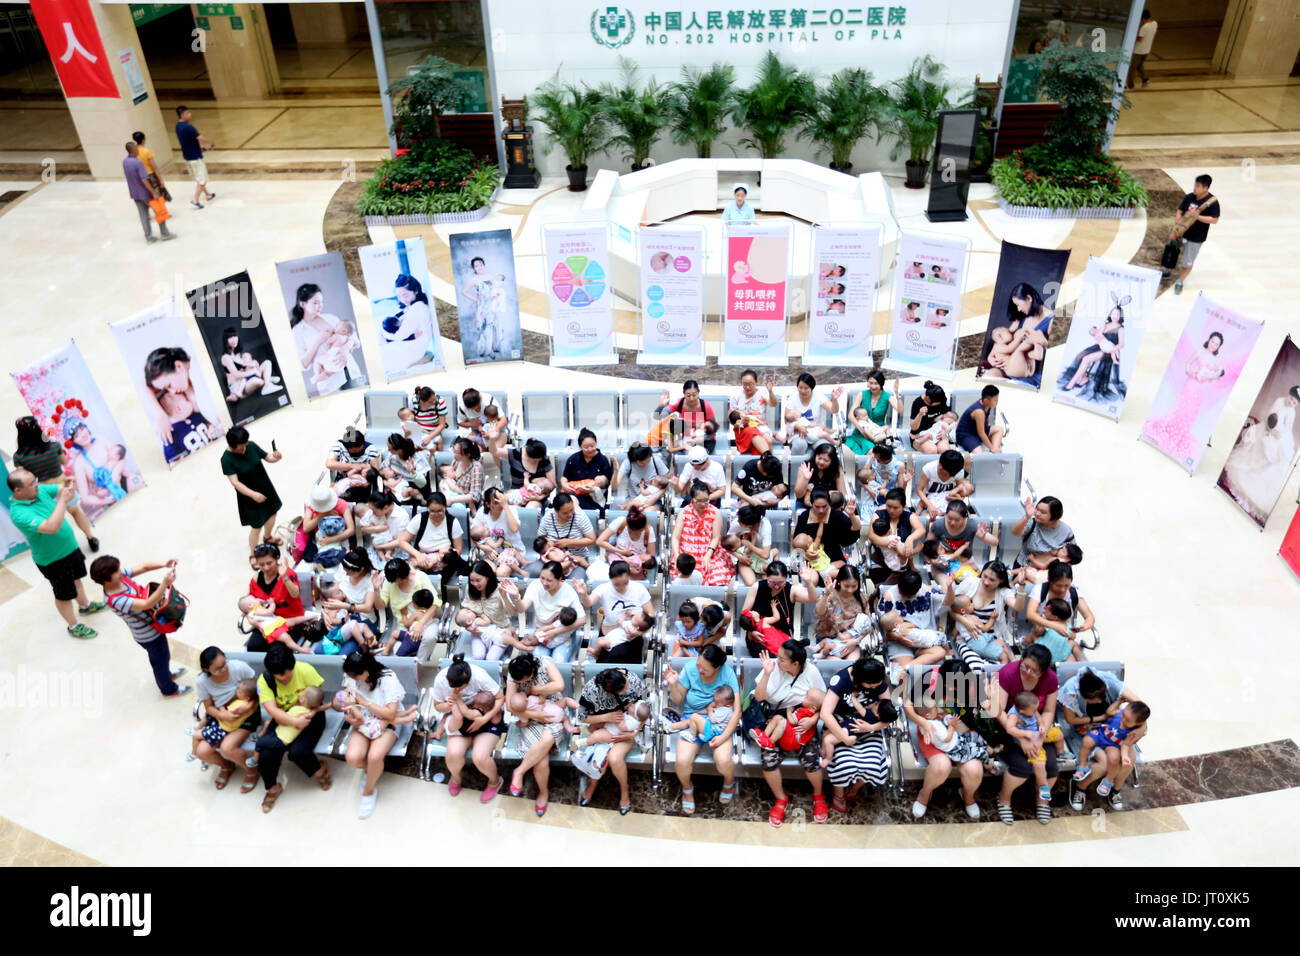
point(672, 295)
point(1109, 322)
point(64, 398)
point(840, 322)
point(397, 277)
point(76, 50)
point(1290, 550)
point(483, 268)
point(579, 297)
point(156, 349)
point(926, 304)
point(325, 335)
point(1260, 462)
point(756, 272)
point(230, 322)
point(1214, 346)
point(1020, 318)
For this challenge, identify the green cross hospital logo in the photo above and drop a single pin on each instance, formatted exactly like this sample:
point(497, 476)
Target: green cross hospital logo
point(613, 26)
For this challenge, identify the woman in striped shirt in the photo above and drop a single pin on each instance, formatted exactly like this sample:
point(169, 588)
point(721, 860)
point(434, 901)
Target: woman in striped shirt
point(430, 411)
point(46, 460)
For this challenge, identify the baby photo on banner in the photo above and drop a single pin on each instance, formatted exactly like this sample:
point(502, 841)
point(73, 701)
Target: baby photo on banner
point(579, 297)
point(843, 312)
point(325, 335)
point(1106, 332)
point(926, 304)
point(483, 268)
point(756, 274)
point(156, 349)
point(397, 282)
point(67, 403)
point(1210, 354)
point(1020, 318)
point(672, 295)
point(234, 334)
point(1264, 454)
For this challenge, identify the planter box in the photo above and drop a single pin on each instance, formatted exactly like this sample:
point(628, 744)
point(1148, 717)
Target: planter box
point(437, 219)
point(1084, 212)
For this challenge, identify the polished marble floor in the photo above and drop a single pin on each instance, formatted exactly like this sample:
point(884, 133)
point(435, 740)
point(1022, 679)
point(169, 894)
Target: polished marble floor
point(1184, 586)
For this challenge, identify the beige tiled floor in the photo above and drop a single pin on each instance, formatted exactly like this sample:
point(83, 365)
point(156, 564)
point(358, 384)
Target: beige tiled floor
point(335, 127)
point(1279, 105)
point(1157, 112)
point(25, 127)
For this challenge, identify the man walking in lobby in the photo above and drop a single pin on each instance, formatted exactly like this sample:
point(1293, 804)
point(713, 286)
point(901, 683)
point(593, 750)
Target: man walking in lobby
point(192, 146)
point(1141, 48)
point(141, 190)
point(1196, 213)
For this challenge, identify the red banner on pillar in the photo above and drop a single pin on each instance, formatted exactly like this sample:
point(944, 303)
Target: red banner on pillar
point(72, 39)
point(1290, 549)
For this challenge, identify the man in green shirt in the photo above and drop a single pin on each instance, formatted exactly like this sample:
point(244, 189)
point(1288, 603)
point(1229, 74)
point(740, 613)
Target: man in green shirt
point(40, 513)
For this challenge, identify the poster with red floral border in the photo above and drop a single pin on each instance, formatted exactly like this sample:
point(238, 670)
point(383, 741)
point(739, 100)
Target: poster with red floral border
point(64, 398)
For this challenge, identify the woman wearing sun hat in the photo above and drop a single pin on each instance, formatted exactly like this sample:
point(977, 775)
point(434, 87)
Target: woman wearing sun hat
point(740, 210)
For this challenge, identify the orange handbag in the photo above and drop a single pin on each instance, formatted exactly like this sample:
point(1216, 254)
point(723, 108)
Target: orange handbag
point(159, 207)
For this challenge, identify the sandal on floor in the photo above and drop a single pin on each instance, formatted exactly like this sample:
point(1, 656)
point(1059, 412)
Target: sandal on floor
point(688, 803)
point(272, 795)
point(776, 816)
point(250, 781)
point(727, 794)
point(223, 778)
point(1005, 815)
point(821, 812)
point(325, 781)
point(540, 807)
point(1082, 774)
point(839, 805)
point(453, 788)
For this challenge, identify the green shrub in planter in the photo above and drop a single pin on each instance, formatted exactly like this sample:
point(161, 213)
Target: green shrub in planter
point(1044, 176)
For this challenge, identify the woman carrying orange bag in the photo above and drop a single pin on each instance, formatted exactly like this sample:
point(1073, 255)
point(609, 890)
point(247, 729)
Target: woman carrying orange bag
point(144, 195)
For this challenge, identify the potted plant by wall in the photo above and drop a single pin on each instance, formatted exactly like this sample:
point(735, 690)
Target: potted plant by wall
point(778, 102)
point(699, 104)
point(422, 96)
point(844, 112)
point(916, 100)
point(637, 115)
point(576, 118)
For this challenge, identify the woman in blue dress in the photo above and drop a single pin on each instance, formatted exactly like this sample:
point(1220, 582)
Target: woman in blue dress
point(740, 210)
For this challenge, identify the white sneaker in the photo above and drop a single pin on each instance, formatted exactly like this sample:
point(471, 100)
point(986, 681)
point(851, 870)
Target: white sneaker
point(973, 811)
point(367, 806)
point(918, 809)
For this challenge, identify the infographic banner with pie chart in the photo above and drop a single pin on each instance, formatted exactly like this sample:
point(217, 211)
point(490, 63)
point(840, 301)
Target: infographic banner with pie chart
point(579, 295)
point(846, 263)
point(756, 274)
point(926, 304)
point(672, 295)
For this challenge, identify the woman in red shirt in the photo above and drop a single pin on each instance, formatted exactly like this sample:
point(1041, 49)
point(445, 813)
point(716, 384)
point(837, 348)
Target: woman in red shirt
point(276, 581)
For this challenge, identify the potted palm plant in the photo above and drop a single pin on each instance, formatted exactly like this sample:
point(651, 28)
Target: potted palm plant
point(913, 117)
point(422, 96)
point(844, 112)
point(780, 99)
point(576, 118)
point(637, 115)
point(699, 104)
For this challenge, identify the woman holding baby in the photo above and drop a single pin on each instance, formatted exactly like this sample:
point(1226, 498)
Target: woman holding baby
point(534, 690)
point(322, 340)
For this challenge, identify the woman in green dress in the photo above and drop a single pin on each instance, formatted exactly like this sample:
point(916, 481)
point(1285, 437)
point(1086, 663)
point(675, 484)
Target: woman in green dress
point(876, 402)
point(254, 493)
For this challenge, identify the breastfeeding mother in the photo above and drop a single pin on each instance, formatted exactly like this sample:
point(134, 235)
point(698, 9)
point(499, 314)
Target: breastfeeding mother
point(1032, 673)
point(876, 402)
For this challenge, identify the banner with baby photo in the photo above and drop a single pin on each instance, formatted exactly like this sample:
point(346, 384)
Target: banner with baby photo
point(483, 268)
point(397, 279)
point(1209, 356)
point(1020, 318)
point(755, 279)
point(64, 398)
point(926, 304)
point(1264, 454)
point(671, 263)
point(181, 410)
point(579, 294)
point(1106, 332)
point(234, 333)
point(324, 327)
point(843, 313)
